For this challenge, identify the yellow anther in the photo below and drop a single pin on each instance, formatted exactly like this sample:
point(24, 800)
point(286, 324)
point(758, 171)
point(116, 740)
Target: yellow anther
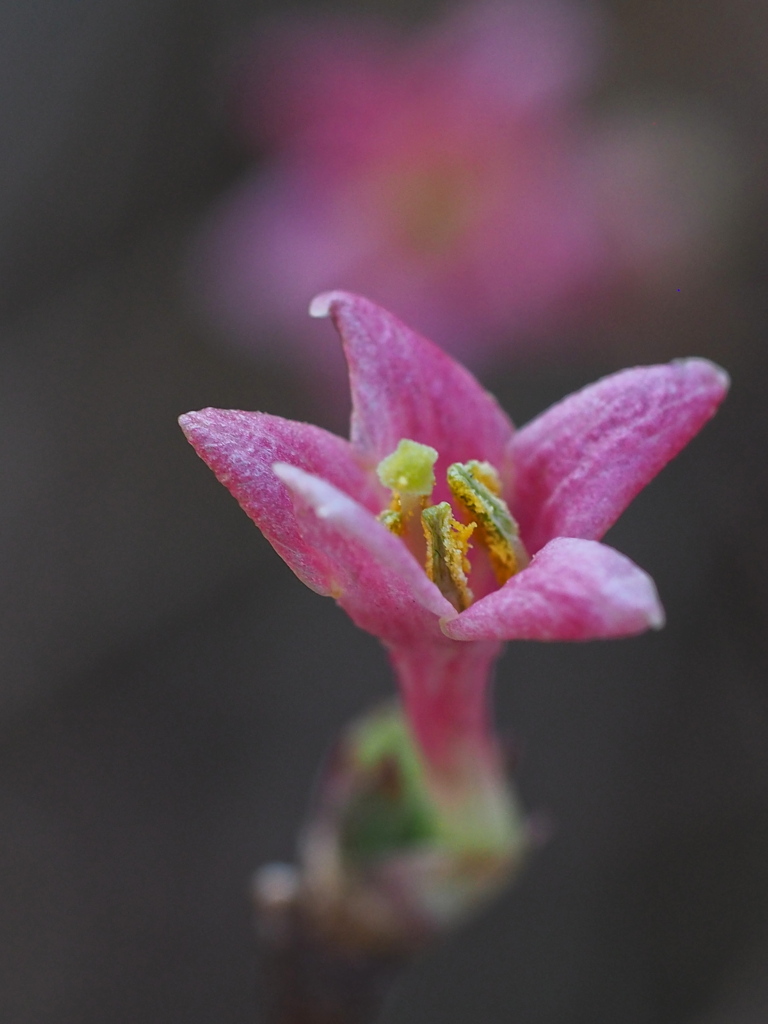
point(475, 486)
point(392, 518)
point(447, 564)
point(486, 474)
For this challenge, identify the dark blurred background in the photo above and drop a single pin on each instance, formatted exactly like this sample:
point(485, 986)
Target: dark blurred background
point(168, 688)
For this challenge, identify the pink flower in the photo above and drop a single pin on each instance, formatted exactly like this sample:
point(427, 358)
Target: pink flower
point(566, 477)
point(444, 176)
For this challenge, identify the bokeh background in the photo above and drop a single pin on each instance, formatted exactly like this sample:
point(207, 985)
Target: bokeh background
point(168, 689)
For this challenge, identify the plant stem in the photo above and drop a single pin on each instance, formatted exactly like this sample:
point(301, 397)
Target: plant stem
point(308, 977)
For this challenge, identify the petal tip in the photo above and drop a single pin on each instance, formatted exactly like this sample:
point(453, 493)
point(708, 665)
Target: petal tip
point(648, 603)
point(190, 422)
point(445, 622)
point(290, 476)
point(321, 306)
point(706, 367)
point(315, 492)
point(657, 618)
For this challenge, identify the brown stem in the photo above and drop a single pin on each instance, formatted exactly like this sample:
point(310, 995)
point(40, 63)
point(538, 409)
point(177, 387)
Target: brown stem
point(309, 976)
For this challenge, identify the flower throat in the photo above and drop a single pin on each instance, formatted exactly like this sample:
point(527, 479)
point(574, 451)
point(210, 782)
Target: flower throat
point(476, 489)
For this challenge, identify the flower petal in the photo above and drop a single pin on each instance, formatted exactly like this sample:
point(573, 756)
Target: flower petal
point(404, 386)
point(578, 465)
point(372, 574)
point(241, 448)
point(315, 78)
point(505, 57)
point(572, 590)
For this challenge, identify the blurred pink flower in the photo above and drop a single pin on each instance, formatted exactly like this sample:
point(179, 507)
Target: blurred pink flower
point(566, 478)
point(444, 176)
point(454, 176)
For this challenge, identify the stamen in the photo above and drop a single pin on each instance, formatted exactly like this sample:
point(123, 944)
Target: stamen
point(486, 474)
point(409, 474)
point(476, 488)
point(447, 564)
point(392, 518)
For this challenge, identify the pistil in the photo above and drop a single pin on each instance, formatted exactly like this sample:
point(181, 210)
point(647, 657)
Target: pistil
point(409, 474)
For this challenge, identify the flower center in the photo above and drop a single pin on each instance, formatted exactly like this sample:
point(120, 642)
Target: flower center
point(428, 198)
point(432, 532)
point(432, 208)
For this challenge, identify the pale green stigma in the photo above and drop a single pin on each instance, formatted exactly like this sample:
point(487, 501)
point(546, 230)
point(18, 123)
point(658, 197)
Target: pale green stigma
point(409, 469)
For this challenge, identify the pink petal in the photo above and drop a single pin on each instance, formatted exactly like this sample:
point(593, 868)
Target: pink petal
point(241, 448)
point(579, 465)
point(572, 590)
point(503, 57)
point(316, 75)
point(278, 238)
point(404, 386)
point(372, 574)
